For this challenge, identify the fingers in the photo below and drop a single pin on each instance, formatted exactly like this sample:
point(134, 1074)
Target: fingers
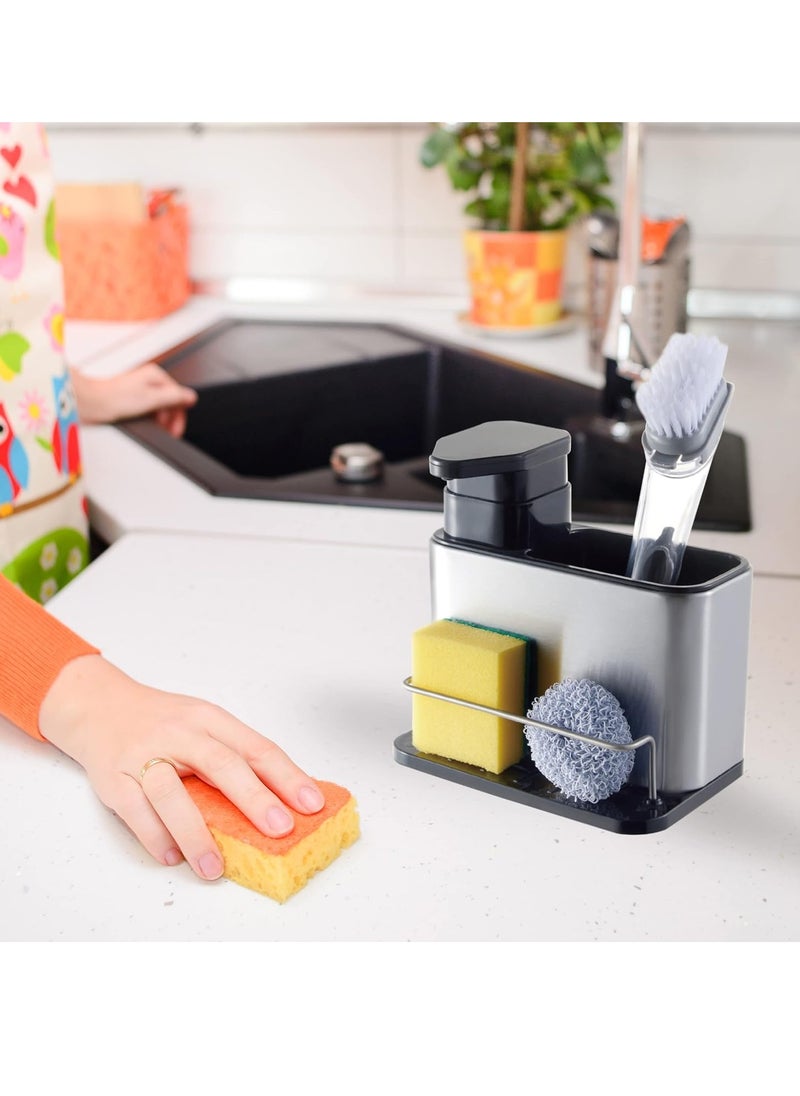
point(140, 391)
point(173, 420)
point(172, 394)
point(163, 388)
point(173, 812)
point(273, 766)
point(128, 801)
point(160, 812)
point(178, 815)
point(261, 799)
point(251, 771)
point(163, 817)
point(170, 400)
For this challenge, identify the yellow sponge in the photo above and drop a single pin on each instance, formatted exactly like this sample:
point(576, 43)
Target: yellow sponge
point(277, 866)
point(476, 664)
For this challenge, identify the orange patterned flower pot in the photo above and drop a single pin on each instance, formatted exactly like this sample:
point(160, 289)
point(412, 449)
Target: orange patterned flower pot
point(515, 278)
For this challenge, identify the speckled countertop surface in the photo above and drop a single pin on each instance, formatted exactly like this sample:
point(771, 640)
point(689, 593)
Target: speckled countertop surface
point(318, 664)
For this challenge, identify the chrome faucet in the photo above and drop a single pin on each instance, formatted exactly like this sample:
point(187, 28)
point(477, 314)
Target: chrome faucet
point(622, 340)
point(626, 350)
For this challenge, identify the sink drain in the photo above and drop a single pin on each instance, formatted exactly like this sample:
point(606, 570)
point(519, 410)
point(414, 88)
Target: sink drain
point(357, 462)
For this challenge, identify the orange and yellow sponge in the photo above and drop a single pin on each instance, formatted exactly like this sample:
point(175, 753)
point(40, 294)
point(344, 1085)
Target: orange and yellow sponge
point(277, 866)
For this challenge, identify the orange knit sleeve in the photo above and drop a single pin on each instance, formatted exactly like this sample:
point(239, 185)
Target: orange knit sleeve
point(34, 648)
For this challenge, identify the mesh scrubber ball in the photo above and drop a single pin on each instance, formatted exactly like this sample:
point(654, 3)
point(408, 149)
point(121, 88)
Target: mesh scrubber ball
point(588, 773)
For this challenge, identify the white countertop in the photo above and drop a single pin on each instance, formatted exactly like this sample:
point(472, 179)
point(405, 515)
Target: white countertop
point(310, 642)
point(319, 667)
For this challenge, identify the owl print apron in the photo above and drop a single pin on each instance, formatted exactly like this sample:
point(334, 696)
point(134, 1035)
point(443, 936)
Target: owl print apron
point(43, 516)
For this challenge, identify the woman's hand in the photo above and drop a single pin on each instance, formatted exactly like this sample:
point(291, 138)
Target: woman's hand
point(146, 389)
point(113, 725)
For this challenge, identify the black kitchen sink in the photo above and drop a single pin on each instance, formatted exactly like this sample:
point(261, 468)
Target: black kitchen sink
point(276, 398)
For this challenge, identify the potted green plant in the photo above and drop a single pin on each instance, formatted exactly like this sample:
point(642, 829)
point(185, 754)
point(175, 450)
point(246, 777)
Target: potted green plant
point(529, 182)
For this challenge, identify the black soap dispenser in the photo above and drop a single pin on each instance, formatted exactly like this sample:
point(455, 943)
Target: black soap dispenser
point(506, 485)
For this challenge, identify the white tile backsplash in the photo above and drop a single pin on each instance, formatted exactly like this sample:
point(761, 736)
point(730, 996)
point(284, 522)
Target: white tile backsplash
point(427, 201)
point(350, 202)
point(329, 255)
point(283, 179)
point(731, 187)
point(773, 265)
point(430, 257)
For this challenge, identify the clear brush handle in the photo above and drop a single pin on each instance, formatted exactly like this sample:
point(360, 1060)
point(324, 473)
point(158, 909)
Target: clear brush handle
point(664, 518)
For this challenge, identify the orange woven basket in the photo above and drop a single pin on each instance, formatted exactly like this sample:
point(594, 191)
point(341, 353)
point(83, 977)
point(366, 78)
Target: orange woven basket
point(125, 271)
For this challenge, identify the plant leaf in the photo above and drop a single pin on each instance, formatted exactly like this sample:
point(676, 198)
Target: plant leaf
point(461, 170)
point(436, 147)
point(566, 168)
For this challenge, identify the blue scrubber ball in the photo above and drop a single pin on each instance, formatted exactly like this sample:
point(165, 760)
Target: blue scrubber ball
point(588, 773)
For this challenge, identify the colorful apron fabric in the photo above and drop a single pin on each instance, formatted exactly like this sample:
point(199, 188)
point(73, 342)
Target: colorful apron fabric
point(43, 516)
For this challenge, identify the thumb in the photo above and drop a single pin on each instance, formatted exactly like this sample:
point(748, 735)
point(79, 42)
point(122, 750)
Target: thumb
point(181, 397)
point(172, 394)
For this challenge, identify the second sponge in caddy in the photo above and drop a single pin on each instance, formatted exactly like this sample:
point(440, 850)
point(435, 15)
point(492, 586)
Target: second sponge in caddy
point(482, 665)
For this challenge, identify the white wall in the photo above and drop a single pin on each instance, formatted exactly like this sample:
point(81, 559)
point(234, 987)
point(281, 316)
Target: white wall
point(350, 203)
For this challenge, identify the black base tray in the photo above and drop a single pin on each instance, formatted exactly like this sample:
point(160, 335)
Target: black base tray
point(629, 811)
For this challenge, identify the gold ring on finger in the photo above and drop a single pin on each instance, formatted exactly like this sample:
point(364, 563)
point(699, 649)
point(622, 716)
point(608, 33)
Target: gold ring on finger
point(155, 761)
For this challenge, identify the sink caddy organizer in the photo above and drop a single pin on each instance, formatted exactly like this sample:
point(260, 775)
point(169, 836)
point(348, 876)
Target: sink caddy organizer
point(509, 558)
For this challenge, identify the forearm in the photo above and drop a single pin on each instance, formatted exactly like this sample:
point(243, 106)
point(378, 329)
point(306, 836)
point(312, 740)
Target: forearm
point(34, 648)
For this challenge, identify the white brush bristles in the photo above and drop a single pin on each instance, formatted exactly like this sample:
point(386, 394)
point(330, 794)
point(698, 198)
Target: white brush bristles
point(677, 394)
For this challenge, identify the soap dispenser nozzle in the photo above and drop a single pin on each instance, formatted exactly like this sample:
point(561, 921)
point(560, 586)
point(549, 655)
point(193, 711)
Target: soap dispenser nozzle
point(506, 484)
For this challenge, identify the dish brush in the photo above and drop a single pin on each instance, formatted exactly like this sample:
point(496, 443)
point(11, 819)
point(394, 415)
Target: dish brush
point(684, 402)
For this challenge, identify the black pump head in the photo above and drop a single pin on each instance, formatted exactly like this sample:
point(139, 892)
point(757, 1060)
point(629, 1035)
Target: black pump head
point(506, 482)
